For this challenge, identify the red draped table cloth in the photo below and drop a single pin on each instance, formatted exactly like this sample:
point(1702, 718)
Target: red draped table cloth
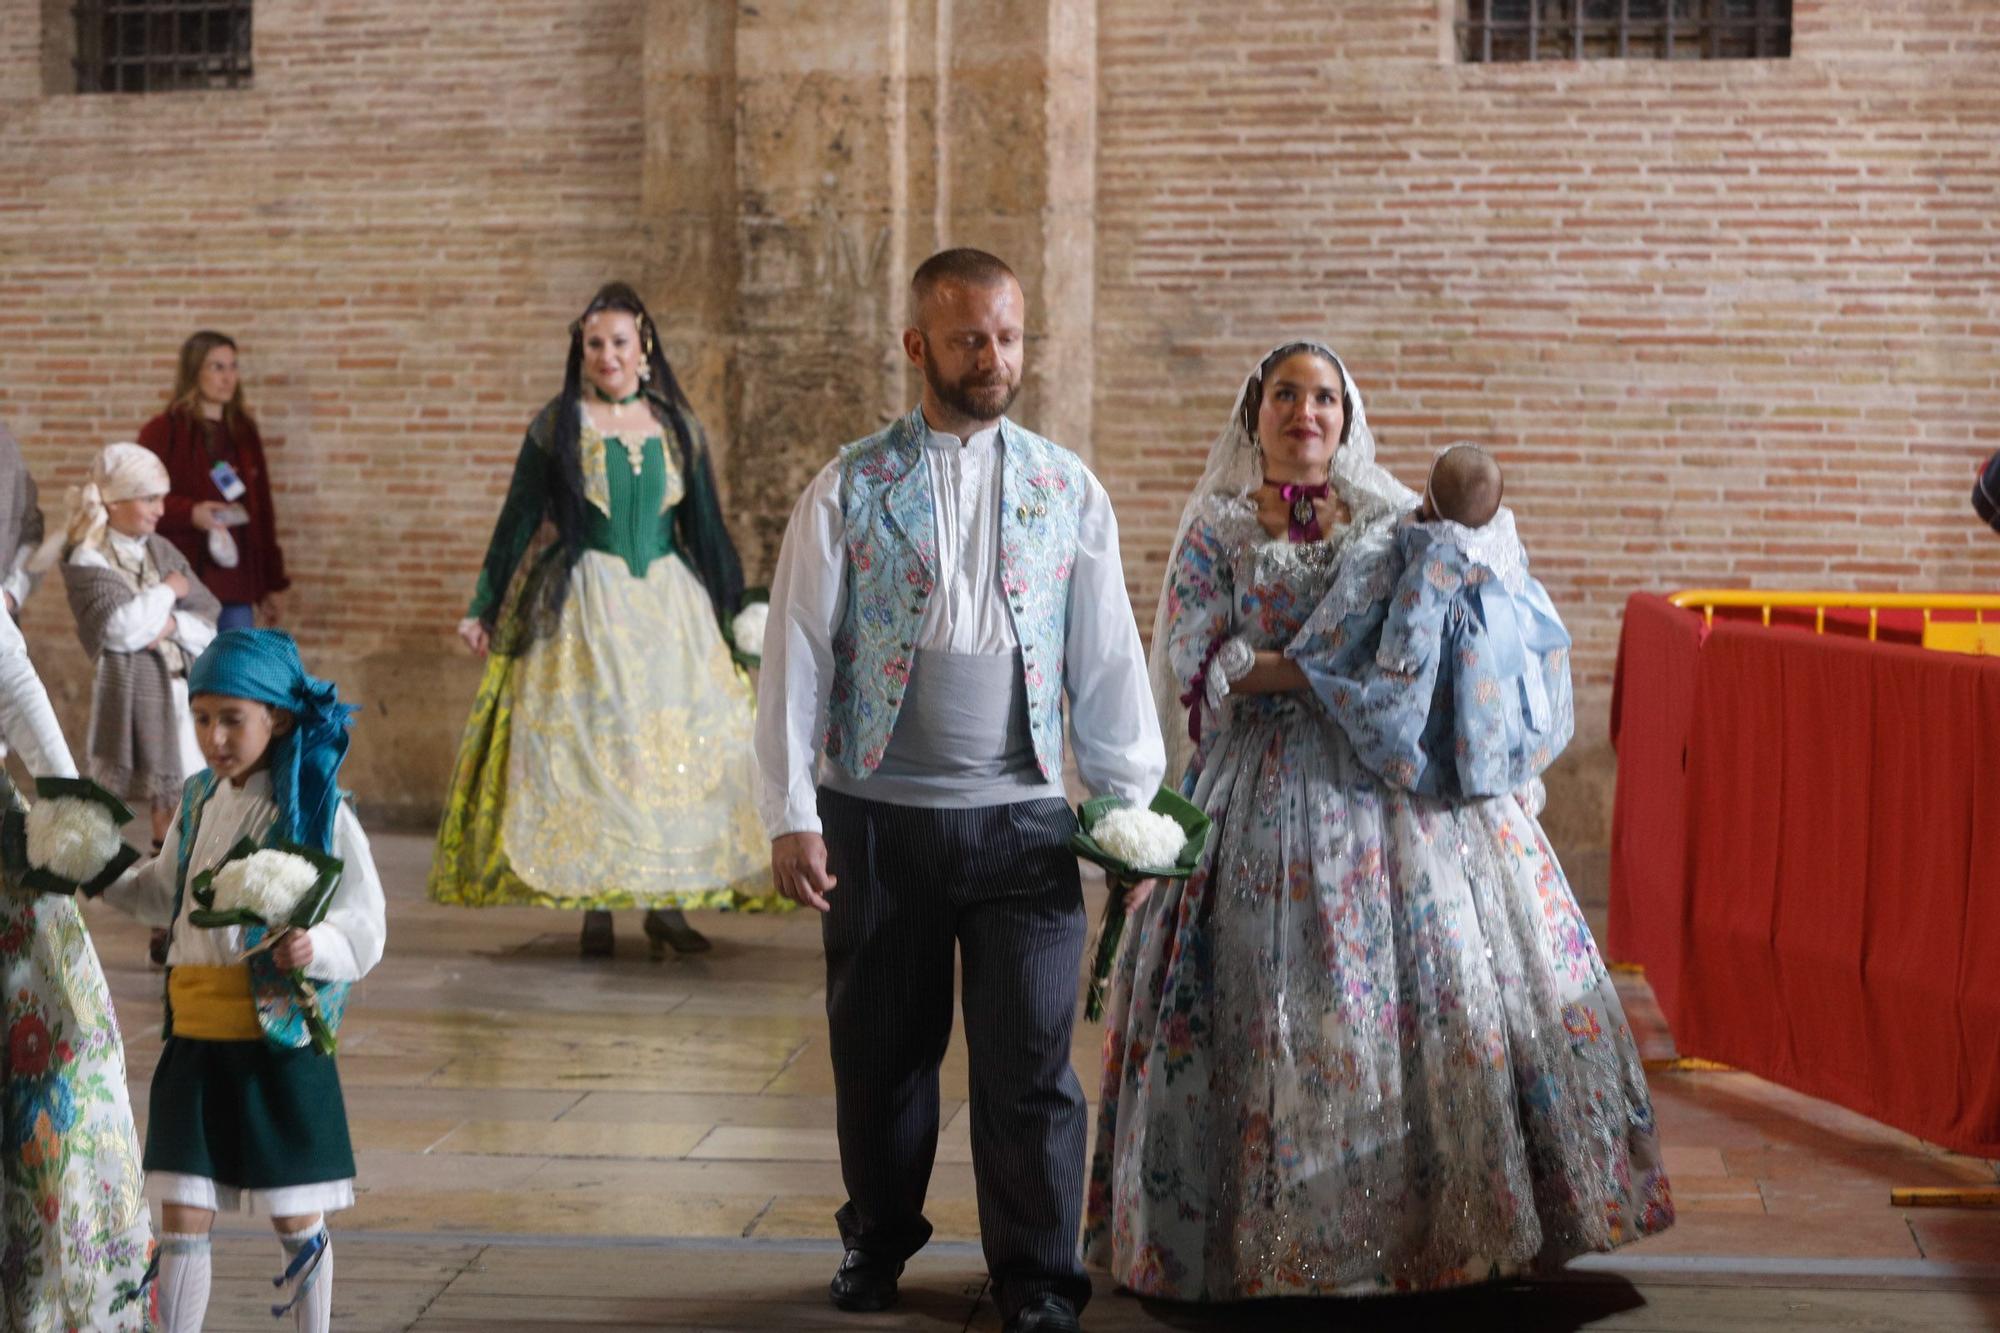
point(1806, 861)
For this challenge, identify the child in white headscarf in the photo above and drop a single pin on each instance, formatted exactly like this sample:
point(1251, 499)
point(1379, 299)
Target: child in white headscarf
point(143, 617)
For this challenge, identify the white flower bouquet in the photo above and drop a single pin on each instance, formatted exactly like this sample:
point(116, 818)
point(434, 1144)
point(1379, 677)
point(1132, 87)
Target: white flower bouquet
point(746, 631)
point(68, 842)
point(274, 889)
point(1163, 841)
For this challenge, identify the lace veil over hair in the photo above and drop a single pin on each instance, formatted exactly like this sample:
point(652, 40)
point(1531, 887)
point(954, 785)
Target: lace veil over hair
point(1236, 468)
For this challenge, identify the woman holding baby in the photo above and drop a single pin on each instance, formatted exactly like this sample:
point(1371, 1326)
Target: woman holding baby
point(1368, 1046)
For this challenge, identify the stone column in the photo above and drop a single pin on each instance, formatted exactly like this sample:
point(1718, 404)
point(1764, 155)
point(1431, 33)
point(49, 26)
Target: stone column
point(1018, 176)
point(688, 200)
point(821, 207)
point(842, 141)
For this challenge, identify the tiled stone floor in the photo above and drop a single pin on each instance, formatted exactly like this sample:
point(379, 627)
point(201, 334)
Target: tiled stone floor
point(549, 1143)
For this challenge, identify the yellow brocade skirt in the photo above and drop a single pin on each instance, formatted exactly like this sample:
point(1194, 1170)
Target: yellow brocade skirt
point(609, 764)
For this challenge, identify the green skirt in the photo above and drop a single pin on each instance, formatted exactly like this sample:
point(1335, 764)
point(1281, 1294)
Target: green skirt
point(247, 1114)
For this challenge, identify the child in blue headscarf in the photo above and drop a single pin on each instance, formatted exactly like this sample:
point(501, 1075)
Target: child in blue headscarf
point(244, 1110)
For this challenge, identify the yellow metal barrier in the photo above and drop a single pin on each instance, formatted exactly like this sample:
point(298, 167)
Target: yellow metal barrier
point(1977, 635)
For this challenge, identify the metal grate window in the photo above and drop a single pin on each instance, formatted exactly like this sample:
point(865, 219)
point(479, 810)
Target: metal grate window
point(144, 46)
point(1498, 31)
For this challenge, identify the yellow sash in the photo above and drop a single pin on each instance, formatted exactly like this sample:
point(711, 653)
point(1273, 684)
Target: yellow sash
point(213, 1004)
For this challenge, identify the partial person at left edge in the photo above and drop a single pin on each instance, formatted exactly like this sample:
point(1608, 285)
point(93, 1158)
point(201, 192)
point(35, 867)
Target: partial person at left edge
point(20, 524)
point(33, 732)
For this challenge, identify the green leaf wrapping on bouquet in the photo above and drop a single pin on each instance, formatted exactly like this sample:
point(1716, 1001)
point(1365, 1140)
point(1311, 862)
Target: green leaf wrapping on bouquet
point(14, 840)
point(122, 860)
point(211, 919)
point(83, 789)
point(13, 831)
point(14, 843)
point(1119, 874)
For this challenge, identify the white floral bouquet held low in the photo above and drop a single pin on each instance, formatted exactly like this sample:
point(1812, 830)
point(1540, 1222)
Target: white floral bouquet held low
point(1140, 837)
point(746, 631)
point(1163, 841)
point(273, 889)
point(69, 841)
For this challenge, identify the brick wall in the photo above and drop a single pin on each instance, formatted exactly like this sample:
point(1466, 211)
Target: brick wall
point(397, 223)
point(1727, 322)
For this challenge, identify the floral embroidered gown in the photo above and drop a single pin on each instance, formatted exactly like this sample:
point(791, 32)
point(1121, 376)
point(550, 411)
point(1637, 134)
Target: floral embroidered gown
point(1368, 1046)
point(74, 1234)
point(607, 762)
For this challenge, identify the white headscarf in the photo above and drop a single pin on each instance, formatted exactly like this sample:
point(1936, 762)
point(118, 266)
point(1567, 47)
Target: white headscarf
point(122, 471)
point(1236, 468)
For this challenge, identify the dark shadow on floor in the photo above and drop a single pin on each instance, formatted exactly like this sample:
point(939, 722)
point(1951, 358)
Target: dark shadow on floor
point(1557, 1306)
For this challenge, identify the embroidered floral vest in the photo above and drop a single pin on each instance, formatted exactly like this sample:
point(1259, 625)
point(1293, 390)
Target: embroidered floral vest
point(278, 1012)
point(892, 570)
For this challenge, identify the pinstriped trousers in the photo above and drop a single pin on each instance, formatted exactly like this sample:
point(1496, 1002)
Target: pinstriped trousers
point(1001, 885)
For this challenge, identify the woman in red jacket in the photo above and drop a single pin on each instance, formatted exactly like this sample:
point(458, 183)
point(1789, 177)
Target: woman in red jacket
point(215, 461)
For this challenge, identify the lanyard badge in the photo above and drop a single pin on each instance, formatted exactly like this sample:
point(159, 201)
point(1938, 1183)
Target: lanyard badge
point(227, 481)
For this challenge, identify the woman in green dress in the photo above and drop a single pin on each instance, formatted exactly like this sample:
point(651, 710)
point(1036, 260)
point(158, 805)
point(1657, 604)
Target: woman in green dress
point(607, 762)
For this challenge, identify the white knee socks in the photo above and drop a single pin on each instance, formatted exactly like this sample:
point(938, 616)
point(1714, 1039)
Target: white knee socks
point(183, 1282)
point(308, 1279)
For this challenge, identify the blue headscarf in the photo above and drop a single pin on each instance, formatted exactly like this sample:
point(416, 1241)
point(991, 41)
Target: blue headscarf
point(263, 665)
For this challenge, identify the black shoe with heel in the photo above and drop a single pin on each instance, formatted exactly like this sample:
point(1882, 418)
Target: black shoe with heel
point(667, 929)
point(596, 940)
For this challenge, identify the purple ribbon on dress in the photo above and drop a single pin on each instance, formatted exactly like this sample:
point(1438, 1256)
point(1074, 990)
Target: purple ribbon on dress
point(1195, 697)
point(1303, 518)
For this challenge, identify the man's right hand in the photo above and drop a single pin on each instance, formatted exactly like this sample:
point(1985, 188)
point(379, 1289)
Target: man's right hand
point(202, 514)
point(798, 868)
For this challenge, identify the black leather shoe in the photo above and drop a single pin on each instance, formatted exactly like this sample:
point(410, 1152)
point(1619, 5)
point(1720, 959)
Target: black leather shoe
point(1045, 1313)
point(864, 1282)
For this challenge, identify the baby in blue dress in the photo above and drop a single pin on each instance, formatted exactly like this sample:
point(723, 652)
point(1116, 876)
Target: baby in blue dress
point(1435, 651)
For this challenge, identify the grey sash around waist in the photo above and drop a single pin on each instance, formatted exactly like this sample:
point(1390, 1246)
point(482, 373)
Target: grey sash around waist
point(961, 738)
